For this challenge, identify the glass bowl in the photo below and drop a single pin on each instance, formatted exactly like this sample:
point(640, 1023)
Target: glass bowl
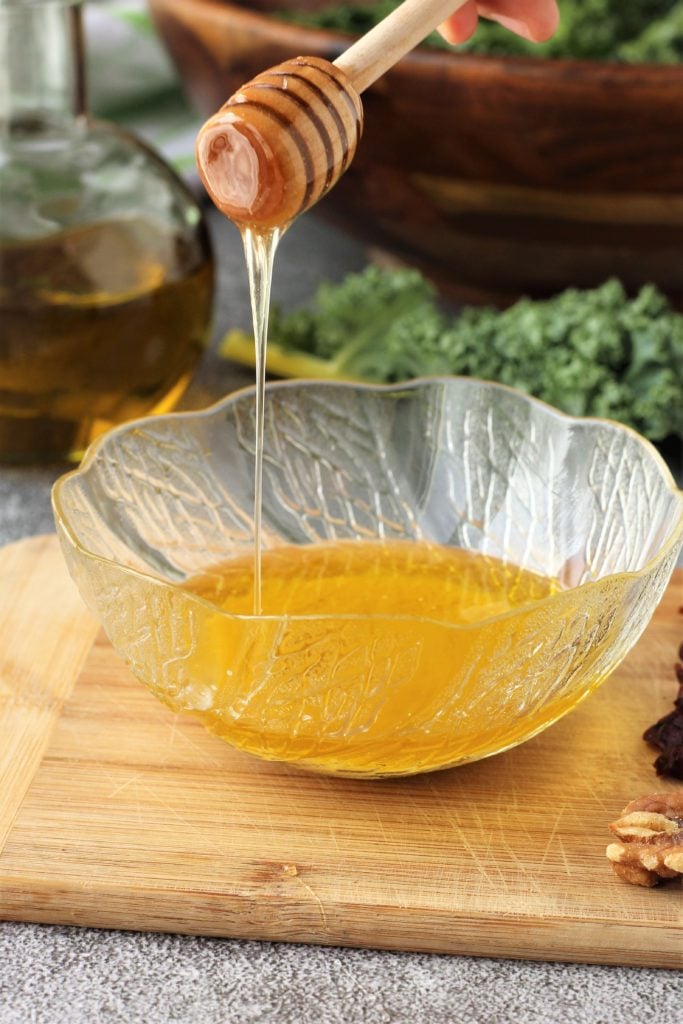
point(578, 523)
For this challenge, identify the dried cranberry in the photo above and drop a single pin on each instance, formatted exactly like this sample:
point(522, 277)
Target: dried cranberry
point(667, 734)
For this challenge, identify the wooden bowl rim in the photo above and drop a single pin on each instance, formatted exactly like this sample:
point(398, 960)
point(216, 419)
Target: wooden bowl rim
point(480, 65)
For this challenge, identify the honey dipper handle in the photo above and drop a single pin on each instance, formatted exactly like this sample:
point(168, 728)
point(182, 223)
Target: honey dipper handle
point(397, 34)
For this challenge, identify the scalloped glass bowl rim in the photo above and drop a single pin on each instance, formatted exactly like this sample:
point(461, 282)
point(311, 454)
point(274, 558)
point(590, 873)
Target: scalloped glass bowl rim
point(674, 538)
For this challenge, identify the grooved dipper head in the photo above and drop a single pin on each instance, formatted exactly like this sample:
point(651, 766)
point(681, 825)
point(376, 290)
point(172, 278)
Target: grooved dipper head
point(280, 142)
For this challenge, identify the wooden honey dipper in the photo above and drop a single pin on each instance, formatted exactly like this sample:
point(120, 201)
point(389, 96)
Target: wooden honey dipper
point(286, 137)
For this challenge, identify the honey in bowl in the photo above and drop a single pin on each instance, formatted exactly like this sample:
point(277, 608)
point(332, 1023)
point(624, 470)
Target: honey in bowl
point(363, 649)
point(365, 657)
point(377, 653)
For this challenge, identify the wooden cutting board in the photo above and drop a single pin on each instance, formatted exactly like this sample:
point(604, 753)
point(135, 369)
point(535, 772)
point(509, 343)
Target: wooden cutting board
point(116, 813)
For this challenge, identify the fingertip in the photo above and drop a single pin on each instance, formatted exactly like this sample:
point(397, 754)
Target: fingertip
point(535, 20)
point(461, 25)
point(544, 26)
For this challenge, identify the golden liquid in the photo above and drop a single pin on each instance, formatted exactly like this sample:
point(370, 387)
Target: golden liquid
point(259, 252)
point(364, 695)
point(98, 324)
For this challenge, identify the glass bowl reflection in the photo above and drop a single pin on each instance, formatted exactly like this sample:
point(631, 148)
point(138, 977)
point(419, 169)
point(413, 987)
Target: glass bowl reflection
point(454, 462)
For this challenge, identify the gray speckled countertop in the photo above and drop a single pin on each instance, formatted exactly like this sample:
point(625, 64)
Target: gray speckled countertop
point(51, 975)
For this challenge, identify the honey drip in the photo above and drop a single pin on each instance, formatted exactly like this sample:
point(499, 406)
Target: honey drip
point(359, 657)
point(259, 251)
point(362, 657)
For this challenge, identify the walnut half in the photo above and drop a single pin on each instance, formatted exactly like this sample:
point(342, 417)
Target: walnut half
point(650, 834)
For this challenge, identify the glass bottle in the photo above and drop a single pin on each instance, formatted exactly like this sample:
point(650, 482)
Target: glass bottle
point(106, 275)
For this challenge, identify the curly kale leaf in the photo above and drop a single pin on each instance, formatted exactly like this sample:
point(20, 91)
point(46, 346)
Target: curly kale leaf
point(346, 317)
point(660, 42)
point(595, 352)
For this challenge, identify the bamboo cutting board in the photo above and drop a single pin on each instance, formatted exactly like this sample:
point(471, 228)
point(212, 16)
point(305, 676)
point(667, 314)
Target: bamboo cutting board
point(116, 813)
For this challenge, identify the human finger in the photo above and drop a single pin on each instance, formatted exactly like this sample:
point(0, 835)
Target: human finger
point(536, 20)
point(461, 25)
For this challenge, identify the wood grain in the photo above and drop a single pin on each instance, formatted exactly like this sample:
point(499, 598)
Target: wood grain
point(45, 635)
point(137, 818)
point(404, 28)
point(278, 144)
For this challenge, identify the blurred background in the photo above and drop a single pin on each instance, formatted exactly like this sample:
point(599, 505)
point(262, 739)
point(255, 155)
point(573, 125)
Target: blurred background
point(501, 170)
point(514, 213)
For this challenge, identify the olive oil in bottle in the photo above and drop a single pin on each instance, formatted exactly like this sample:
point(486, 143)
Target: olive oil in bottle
point(105, 267)
point(98, 324)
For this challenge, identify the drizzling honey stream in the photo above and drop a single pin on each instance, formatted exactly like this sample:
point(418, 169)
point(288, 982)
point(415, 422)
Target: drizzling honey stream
point(279, 144)
point(272, 151)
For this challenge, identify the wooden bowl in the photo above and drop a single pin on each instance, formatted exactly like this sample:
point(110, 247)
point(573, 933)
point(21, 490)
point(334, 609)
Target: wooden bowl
point(496, 176)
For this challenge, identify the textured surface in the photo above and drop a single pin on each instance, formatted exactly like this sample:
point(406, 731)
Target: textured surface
point(452, 462)
point(78, 976)
point(71, 976)
point(136, 818)
point(35, 680)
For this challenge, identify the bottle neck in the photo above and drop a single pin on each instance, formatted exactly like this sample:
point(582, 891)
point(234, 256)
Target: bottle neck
point(42, 87)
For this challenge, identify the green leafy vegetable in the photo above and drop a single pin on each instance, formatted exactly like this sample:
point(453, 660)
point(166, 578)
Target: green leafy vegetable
point(636, 31)
point(594, 352)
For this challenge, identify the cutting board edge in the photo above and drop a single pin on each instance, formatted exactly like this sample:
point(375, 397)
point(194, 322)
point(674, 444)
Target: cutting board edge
point(300, 918)
point(49, 675)
point(215, 915)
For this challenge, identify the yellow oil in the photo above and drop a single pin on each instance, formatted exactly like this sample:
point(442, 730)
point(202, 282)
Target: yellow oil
point(359, 670)
point(101, 323)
